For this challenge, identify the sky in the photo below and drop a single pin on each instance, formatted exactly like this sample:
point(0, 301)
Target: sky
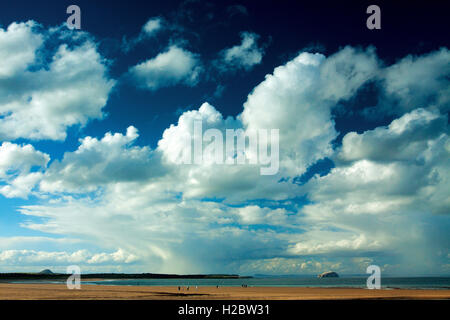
point(93, 125)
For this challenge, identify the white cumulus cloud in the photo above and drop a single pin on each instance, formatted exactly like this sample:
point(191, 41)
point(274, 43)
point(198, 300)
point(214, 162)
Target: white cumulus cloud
point(16, 164)
point(386, 200)
point(169, 68)
point(95, 163)
point(42, 102)
point(243, 56)
point(18, 45)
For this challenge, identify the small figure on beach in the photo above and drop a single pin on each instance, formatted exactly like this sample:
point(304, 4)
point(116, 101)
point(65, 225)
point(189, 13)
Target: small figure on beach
point(179, 288)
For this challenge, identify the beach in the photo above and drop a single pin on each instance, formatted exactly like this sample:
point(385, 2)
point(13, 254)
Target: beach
point(36, 291)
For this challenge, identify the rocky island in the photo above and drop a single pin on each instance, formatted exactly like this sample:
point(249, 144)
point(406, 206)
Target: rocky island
point(328, 274)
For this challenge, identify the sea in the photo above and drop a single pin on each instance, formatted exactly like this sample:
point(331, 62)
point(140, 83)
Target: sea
point(341, 282)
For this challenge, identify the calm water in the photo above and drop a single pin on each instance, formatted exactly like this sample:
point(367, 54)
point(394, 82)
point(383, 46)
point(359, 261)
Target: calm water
point(355, 282)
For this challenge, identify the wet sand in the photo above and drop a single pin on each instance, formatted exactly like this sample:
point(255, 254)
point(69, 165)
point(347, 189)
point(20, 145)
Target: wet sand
point(14, 291)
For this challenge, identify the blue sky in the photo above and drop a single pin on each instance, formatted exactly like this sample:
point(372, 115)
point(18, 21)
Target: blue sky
point(91, 121)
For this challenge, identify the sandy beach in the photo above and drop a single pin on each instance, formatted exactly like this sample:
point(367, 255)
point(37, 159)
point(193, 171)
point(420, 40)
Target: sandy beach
point(13, 291)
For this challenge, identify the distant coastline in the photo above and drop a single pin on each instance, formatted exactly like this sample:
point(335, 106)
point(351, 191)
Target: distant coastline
point(110, 276)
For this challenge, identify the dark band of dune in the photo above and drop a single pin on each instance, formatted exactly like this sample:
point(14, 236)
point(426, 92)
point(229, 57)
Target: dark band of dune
point(10, 291)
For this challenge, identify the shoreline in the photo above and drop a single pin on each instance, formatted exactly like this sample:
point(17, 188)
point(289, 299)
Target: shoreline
point(36, 291)
point(98, 282)
point(107, 282)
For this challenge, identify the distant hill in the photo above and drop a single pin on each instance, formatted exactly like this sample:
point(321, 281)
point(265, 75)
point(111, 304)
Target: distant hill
point(46, 271)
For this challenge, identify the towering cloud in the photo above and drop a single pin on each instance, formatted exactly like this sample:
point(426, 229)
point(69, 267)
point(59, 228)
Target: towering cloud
point(136, 207)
